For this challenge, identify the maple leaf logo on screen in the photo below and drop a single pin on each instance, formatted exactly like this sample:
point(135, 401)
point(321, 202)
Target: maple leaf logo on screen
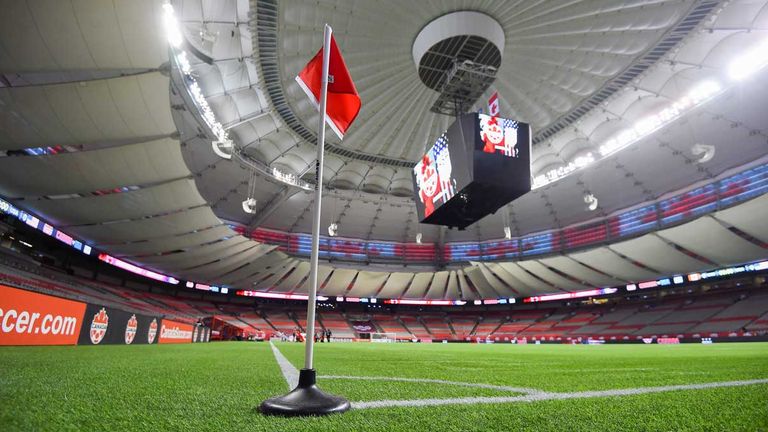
point(498, 135)
point(99, 326)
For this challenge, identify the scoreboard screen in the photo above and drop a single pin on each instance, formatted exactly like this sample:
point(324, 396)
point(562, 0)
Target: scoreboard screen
point(479, 164)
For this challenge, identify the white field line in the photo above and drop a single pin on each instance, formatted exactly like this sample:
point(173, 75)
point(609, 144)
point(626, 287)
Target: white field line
point(290, 373)
point(436, 381)
point(550, 396)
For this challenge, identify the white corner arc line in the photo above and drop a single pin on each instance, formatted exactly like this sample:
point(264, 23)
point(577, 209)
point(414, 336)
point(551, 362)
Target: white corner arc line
point(551, 396)
point(290, 373)
point(437, 381)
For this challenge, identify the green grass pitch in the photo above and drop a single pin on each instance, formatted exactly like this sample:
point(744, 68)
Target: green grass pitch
point(215, 387)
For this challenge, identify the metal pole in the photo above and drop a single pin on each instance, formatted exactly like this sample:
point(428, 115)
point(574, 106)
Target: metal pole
point(311, 302)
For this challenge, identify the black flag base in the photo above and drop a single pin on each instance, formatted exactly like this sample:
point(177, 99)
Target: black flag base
point(305, 400)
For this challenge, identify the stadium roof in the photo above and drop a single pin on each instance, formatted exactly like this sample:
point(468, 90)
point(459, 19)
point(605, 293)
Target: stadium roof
point(101, 139)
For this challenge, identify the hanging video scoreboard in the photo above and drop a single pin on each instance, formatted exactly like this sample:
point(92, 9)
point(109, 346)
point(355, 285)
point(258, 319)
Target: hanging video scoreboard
point(477, 166)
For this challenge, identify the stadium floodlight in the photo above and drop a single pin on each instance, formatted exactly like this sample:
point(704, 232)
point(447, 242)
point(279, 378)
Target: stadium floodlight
point(749, 62)
point(418, 238)
point(508, 233)
point(591, 202)
point(208, 35)
point(172, 30)
point(249, 205)
point(704, 151)
point(333, 229)
point(223, 149)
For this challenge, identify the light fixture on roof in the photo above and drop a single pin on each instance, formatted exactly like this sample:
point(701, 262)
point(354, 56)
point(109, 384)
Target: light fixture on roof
point(749, 62)
point(418, 238)
point(698, 95)
point(172, 31)
point(223, 149)
point(249, 205)
point(508, 233)
point(591, 202)
point(704, 151)
point(333, 229)
point(208, 35)
point(506, 224)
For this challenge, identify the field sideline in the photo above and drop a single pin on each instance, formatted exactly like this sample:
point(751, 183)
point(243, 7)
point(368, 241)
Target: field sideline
point(216, 386)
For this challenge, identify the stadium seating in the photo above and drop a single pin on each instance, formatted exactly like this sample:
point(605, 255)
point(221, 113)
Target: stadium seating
point(389, 324)
point(718, 314)
point(337, 324)
point(415, 327)
point(255, 321)
point(463, 327)
point(281, 322)
point(437, 326)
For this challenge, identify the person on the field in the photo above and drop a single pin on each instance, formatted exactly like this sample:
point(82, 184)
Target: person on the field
point(328, 335)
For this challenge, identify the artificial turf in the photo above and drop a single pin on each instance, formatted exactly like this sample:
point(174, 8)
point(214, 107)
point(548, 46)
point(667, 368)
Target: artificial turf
point(216, 387)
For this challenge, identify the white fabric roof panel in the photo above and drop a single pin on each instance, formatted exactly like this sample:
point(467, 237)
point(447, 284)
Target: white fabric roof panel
point(212, 272)
point(153, 200)
point(750, 217)
point(579, 271)
point(531, 283)
point(290, 283)
point(236, 277)
point(279, 273)
point(609, 262)
point(452, 292)
point(438, 285)
point(269, 261)
point(260, 267)
point(91, 112)
point(536, 91)
point(322, 275)
point(144, 229)
point(482, 286)
point(197, 255)
point(261, 279)
point(214, 258)
point(419, 285)
point(548, 275)
point(170, 243)
point(396, 285)
point(367, 283)
point(84, 35)
point(498, 284)
point(89, 171)
point(517, 287)
point(655, 253)
point(338, 283)
point(466, 291)
point(706, 237)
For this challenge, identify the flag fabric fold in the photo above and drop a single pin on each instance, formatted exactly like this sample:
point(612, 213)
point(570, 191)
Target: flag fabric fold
point(343, 102)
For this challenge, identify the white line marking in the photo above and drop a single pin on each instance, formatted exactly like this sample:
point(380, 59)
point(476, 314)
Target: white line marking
point(550, 396)
point(437, 381)
point(290, 373)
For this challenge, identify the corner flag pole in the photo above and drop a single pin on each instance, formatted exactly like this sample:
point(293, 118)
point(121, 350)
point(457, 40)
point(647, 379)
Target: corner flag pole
point(312, 302)
point(307, 398)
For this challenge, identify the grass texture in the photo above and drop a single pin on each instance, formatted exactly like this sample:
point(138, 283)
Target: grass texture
point(216, 387)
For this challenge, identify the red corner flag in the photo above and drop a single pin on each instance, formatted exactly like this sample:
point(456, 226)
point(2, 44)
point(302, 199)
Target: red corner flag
point(343, 101)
